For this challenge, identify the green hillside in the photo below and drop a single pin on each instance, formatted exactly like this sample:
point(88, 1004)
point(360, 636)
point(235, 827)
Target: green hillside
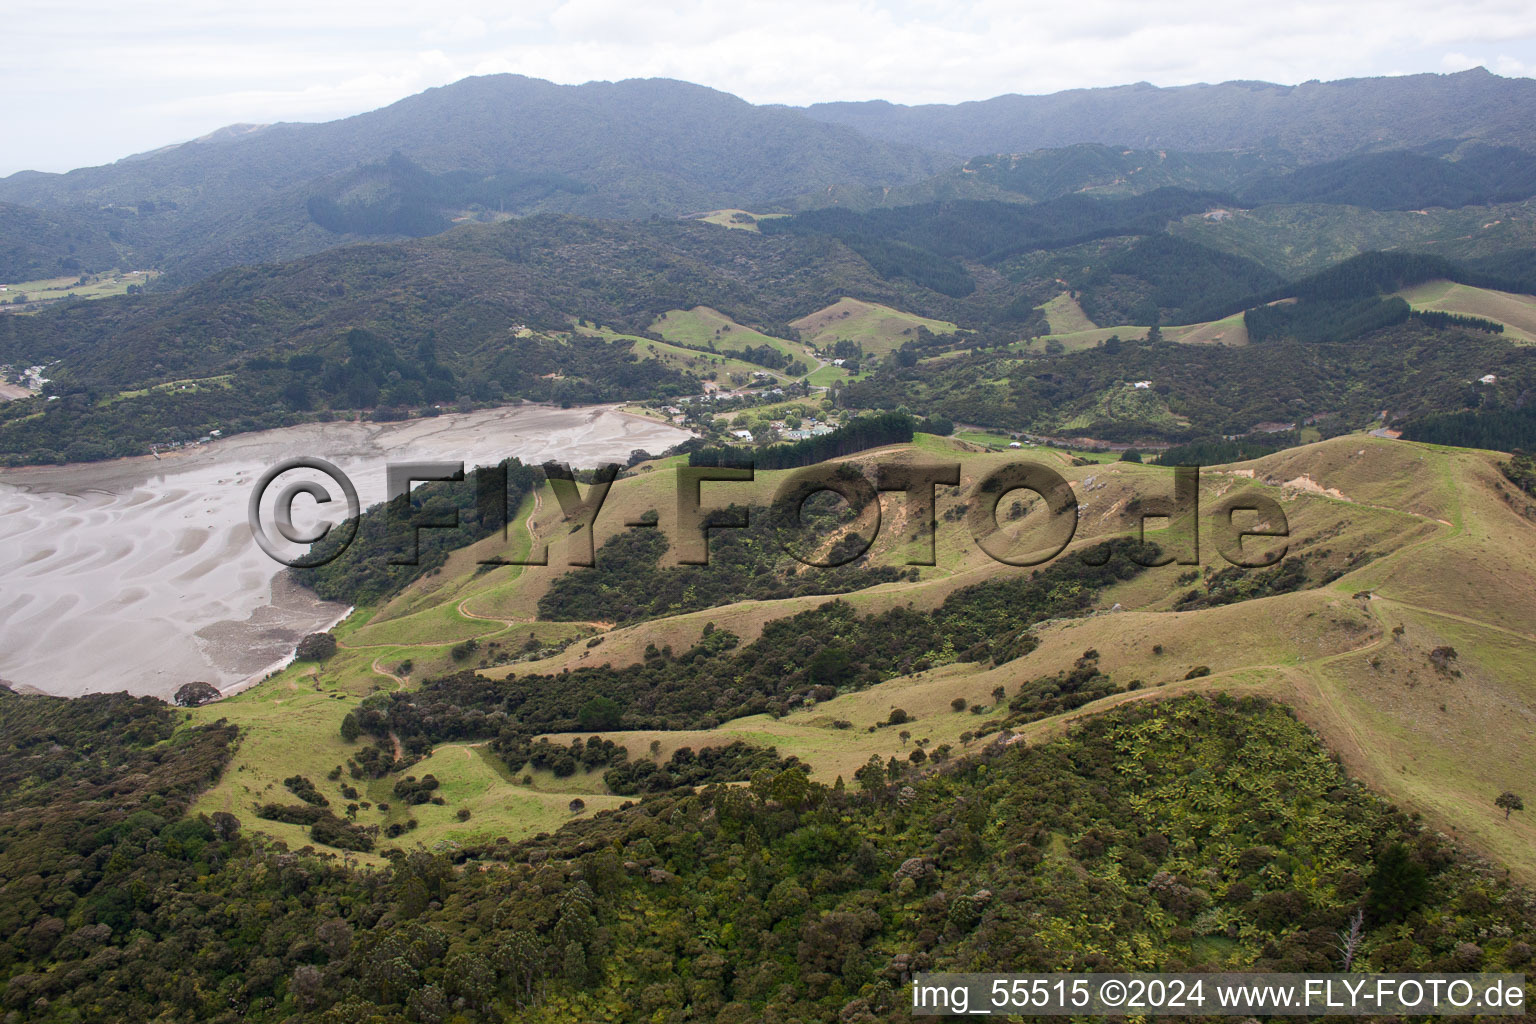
point(1355, 529)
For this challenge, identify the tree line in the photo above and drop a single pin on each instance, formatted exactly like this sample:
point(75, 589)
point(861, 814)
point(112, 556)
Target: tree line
point(872, 430)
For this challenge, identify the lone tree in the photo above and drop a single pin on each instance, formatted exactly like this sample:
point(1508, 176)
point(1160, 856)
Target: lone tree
point(225, 825)
point(195, 695)
point(316, 647)
point(959, 704)
point(578, 805)
point(1441, 658)
point(1508, 802)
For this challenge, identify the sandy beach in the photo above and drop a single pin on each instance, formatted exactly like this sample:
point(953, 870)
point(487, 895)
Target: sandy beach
point(141, 574)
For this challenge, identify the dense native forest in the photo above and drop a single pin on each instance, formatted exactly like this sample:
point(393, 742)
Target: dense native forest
point(749, 563)
point(1201, 393)
point(1438, 175)
point(389, 331)
point(358, 373)
point(923, 243)
point(781, 900)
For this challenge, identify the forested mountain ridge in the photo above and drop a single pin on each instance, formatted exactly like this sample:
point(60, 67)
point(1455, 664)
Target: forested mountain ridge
point(625, 149)
point(485, 148)
point(1444, 174)
point(710, 140)
point(1314, 121)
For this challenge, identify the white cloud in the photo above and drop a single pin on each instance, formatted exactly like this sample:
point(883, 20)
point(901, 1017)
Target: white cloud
point(1509, 67)
point(90, 80)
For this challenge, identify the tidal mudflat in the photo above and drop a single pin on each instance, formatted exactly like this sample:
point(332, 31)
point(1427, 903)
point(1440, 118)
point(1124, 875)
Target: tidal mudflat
point(141, 574)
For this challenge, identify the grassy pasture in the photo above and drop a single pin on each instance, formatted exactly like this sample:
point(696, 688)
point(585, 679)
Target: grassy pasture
point(679, 358)
point(96, 286)
point(1065, 316)
point(985, 438)
point(739, 219)
point(880, 329)
point(703, 326)
point(828, 375)
point(1516, 312)
point(1227, 331)
point(221, 382)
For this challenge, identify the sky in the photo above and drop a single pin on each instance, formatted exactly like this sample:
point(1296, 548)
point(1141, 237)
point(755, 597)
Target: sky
point(85, 82)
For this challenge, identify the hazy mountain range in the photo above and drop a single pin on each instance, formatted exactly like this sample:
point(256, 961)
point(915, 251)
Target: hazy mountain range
point(1313, 121)
point(489, 147)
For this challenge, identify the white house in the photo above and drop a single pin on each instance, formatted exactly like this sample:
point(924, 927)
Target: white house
point(1488, 378)
point(745, 435)
point(1141, 385)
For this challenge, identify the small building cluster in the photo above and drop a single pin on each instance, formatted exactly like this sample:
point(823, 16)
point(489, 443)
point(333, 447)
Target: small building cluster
point(30, 378)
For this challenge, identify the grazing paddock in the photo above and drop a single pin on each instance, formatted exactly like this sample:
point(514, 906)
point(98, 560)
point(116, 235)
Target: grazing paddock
point(1516, 312)
point(880, 329)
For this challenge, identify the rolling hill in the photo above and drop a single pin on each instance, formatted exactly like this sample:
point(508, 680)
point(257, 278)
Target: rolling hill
point(1516, 312)
point(1373, 525)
